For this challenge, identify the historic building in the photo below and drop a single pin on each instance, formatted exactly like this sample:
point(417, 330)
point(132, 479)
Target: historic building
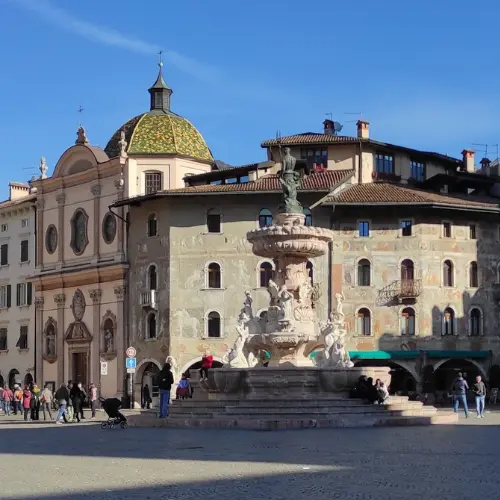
point(81, 270)
point(17, 262)
point(415, 255)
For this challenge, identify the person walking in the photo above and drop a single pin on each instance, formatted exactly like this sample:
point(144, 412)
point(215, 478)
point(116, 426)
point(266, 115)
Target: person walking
point(8, 397)
point(18, 400)
point(146, 397)
point(26, 402)
point(46, 402)
point(76, 396)
point(36, 396)
point(166, 379)
point(84, 399)
point(62, 398)
point(93, 399)
point(479, 390)
point(460, 388)
point(69, 407)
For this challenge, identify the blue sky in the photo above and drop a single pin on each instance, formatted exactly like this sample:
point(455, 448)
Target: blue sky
point(423, 73)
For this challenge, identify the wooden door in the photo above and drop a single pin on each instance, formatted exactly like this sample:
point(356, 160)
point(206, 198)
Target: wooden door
point(80, 368)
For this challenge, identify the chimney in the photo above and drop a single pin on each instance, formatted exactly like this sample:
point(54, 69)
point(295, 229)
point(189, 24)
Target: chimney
point(18, 190)
point(328, 128)
point(485, 166)
point(363, 129)
point(468, 159)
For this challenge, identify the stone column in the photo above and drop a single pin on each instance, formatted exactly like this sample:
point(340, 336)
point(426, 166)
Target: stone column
point(96, 192)
point(40, 205)
point(61, 201)
point(60, 300)
point(39, 339)
point(95, 358)
point(120, 337)
point(120, 184)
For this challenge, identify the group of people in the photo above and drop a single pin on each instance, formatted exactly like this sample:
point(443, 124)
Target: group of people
point(71, 399)
point(459, 391)
point(377, 392)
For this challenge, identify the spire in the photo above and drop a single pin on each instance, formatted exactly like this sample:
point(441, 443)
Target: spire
point(160, 92)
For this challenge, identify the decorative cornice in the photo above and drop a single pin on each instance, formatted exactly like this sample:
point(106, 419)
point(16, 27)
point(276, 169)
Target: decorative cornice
point(120, 291)
point(96, 295)
point(61, 199)
point(96, 189)
point(60, 299)
point(39, 301)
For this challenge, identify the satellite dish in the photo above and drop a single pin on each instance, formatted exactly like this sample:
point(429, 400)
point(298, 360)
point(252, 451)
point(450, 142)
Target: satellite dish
point(337, 127)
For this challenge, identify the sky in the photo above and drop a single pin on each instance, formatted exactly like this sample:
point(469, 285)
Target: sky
point(424, 74)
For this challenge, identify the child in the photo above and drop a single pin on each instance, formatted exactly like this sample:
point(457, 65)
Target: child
point(183, 389)
point(26, 402)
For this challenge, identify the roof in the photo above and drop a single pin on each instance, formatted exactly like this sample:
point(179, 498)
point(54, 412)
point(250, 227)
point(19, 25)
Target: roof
point(16, 202)
point(229, 172)
point(160, 133)
point(312, 138)
point(385, 193)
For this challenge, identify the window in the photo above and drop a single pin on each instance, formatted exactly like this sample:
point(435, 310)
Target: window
point(151, 326)
point(318, 156)
point(364, 228)
point(447, 273)
point(23, 295)
point(475, 322)
point(232, 180)
point(152, 277)
point(472, 232)
point(446, 230)
point(4, 296)
point(310, 271)
point(266, 274)
point(407, 321)
point(4, 228)
point(417, 171)
point(24, 251)
point(407, 270)
point(24, 222)
point(213, 327)
point(79, 238)
point(384, 164)
point(449, 322)
point(364, 322)
point(153, 182)
point(406, 227)
point(214, 280)
point(4, 255)
point(364, 272)
point(214, 221)
point(265, 218)
point(152, 225)
point(473, 275)
point(109, 228)
point(22, 343)
point(309, 217)
point(3, 339)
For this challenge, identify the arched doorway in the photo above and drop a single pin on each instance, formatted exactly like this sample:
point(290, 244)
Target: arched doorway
point(150, 377)
point(494, 377)
point(28, 379)
point(446, 372)
point(196, 366)
point(14, 378)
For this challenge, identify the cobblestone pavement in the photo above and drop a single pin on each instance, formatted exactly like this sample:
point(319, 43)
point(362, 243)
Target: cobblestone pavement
point(82, 461)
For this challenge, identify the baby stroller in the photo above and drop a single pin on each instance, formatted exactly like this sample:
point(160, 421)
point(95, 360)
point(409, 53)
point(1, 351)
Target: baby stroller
point(111, 407)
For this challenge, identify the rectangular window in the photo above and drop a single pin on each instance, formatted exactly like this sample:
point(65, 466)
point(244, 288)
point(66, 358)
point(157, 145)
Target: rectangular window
point(4, 296)
point(153, 182)
point(472, 232)
point(24, 292)
point(364, 228)
point(213, 222)
point(384, 164)
point(417, 171)
point(22, 343)
point(4, 255)
point(24, 251)
point(317, 156)
point(4, 228)
point(3, 339)
point(232, 180)
point(24, 223)
point(406, 228)
point(446, 229)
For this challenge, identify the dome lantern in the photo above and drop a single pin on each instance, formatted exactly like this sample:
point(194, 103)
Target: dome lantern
point(160, 92)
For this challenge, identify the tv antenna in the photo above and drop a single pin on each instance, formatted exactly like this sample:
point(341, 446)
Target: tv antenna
point(359, 113)
point(485, 150)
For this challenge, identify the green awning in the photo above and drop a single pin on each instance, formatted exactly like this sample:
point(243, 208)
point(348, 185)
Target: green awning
point(380, 355)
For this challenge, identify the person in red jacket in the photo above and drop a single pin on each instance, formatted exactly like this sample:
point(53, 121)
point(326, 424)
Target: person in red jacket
point(26, 401)
point(206, 363)
point(8, 397)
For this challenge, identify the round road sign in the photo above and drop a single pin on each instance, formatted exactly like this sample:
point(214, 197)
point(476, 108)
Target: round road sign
point(131, 352)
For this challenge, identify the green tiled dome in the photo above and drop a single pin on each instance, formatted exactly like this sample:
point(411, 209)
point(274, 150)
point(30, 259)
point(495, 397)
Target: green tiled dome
point(156, 133)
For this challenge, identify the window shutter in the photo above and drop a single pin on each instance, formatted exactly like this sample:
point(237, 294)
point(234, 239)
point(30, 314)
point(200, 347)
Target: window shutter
point(9, 303)
point(18, 294)
point(29, 293)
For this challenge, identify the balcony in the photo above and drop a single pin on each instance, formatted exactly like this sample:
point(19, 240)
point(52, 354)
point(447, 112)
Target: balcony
point(385, 176)
point(408, 289)
point(399, 291)
point(148, 299)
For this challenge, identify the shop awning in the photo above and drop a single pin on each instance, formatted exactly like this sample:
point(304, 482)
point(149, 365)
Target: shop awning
point(358, 355)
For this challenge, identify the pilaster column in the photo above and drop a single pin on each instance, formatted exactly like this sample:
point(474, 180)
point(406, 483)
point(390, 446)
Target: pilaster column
point(120, 291)
point(60, 300)
point(39, 339)
point(120, 187)
point(96, 192)
point(95, 359)
point(40, 205)
point(61, 201)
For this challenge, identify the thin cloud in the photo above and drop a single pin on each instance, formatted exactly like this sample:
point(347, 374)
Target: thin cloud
point(113, 38)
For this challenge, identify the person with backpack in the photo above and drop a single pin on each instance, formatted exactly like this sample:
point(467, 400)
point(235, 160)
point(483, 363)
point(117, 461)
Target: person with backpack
point(165, 381)
point(460, 388)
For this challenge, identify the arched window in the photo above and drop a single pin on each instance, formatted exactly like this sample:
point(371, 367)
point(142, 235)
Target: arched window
point(152, 277)
point(266, 273)
point(407, 270)
point(152, 326)
point(407, 321)
point(214, 275)
point(152, 225)
point(475, 320)
point(310, 271)
point(449, 321)
point(265, 218)
point(364, 322)
point(309, 217)
point(473, 275)
point(364, 272)
point(214, 221)
point(447, 273)
point(213, 326)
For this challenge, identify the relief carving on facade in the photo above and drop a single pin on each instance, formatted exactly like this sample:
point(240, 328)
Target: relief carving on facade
point(96, 295)
point(61, 199)
point(60, 299)
point(50, 340)
point(77, 331)
point(120, 291)
point(96, 189)
point(108, 335)
point(39, 302)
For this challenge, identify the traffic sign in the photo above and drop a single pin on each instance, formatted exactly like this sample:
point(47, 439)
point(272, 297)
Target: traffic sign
point(130, 370)
point(131, 363)
point(131, 352)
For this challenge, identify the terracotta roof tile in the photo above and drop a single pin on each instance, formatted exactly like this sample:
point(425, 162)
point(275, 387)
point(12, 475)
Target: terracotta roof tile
point(310, 138)
point(383, 193)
